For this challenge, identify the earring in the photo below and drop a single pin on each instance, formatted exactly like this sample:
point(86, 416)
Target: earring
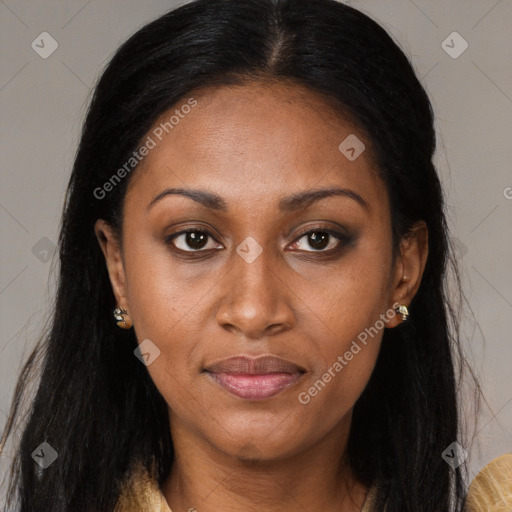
point(402, 310)
point(119, 315)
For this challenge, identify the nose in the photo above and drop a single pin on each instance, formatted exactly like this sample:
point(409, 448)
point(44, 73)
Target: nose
point(255, 300)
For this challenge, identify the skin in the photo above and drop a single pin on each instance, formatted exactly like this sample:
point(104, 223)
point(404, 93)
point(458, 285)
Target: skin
point(254, 145)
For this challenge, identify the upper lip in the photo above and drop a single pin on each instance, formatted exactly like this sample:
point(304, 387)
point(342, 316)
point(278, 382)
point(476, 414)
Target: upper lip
point(245, 365)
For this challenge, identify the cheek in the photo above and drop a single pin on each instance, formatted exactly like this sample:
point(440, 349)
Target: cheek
point(345, 357)
point(160, 295)
point(347, 319)
point(352, 295)
point(344, 360)
point(164, 309)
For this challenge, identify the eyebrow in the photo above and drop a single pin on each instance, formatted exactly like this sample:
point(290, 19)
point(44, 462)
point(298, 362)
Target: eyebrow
point(294, 202)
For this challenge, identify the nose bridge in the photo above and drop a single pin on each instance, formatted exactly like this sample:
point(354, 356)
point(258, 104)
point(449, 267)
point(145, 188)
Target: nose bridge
point(252, 268)
point(253, 299)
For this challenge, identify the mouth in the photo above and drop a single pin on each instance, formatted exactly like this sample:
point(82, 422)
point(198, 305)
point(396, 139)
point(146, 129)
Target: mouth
point(258, 378)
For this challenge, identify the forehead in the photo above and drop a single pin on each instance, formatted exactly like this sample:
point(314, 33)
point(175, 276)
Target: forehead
point(253, 142)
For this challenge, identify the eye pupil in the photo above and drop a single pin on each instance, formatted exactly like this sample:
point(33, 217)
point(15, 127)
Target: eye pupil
point(196, 239)
point(318, 240)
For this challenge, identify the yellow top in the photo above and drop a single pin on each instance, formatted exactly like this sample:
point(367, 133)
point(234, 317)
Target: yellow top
point(142, 494)
point(490, 491)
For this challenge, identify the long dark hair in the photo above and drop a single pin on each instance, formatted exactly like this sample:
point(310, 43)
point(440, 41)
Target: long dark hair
point(96, 404)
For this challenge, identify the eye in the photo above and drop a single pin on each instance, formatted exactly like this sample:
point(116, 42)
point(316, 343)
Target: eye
point(321, 240)
point(191, 240)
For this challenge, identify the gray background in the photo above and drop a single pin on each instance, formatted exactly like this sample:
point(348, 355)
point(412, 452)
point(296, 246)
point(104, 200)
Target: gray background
point(43, 102)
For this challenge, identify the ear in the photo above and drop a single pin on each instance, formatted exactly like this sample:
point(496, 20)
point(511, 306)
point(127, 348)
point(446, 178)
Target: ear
point(409, 266)
point(111, 249)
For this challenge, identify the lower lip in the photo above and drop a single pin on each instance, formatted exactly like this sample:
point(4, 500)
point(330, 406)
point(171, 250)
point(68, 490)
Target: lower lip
point(255, 387)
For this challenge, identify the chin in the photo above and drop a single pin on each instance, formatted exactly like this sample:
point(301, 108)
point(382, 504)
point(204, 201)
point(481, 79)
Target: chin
point(254, 445)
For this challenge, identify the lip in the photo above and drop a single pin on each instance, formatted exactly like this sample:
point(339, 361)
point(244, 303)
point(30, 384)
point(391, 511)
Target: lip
point(257, 378)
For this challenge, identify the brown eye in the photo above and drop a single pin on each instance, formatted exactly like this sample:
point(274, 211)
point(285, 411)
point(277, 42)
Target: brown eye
point(192, 240)
point(320, 240)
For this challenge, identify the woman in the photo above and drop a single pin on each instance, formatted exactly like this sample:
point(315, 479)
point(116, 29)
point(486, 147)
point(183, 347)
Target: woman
point(305, 360)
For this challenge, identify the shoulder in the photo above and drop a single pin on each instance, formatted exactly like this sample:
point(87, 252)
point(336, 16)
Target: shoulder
point(370, 499)
point(491, 489)
point(140, 493)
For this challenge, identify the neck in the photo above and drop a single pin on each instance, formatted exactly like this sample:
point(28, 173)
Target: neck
point(206, 479)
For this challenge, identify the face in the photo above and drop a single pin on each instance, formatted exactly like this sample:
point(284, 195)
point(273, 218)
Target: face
point(238, 265)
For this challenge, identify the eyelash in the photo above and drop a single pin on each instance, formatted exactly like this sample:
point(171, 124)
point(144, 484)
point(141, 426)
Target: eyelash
point(342, 238)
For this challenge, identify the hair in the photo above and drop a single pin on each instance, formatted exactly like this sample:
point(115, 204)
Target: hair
point(96, 405)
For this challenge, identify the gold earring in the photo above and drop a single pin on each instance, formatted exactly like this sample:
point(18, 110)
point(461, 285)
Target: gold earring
point(402, 310)
point(119, 315)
